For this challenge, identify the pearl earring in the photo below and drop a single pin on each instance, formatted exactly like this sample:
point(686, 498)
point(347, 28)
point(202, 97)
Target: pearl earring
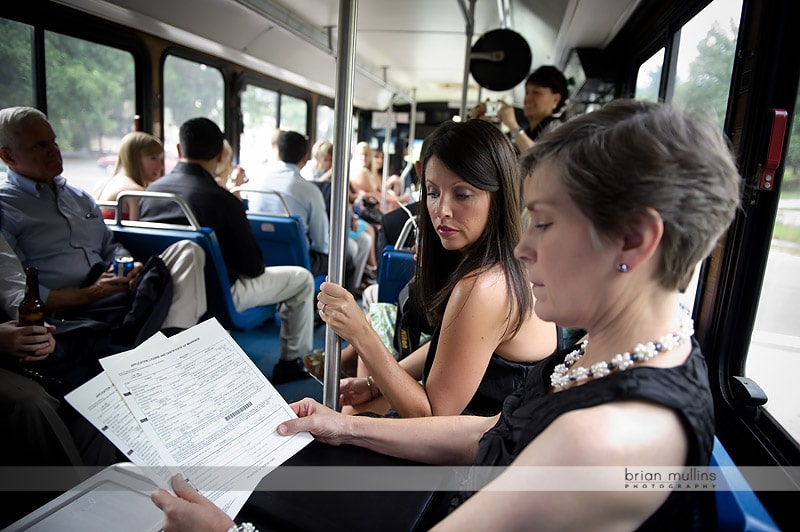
point(622, 268)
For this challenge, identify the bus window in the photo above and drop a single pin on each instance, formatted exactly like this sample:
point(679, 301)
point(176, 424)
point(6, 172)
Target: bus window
point(259, 120)
point(775, 344)
point(324, 123)
point(191, 90)
point(294, 114)
point(648, 79)
point(705, 60)
point(90, 103)
point(16, 60)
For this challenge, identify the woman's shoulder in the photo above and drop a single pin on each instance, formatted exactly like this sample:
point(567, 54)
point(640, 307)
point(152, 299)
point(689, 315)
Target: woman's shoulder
point(484, 278)
point(616, 430)
point(483, 287)
point(118, 183)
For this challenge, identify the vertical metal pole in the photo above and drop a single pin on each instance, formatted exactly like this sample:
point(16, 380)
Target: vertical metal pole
point(412, 125)
point(342, 126)
point(387, 136)
point(470, 27)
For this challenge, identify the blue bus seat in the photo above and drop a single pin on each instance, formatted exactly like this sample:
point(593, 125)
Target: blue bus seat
point(144, 239)
point(281, 236)
point(394, 272)
point(397, 265)
point(738, 508)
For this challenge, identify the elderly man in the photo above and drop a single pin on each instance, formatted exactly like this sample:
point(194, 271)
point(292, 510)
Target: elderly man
point(59, 229)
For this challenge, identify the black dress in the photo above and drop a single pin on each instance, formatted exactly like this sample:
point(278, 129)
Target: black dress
point(685, 389)
point(500, 379)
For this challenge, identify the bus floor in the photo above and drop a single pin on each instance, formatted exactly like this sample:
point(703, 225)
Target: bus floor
point(262, 345)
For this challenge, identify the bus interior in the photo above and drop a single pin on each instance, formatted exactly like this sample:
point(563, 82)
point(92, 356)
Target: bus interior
point(102, 68)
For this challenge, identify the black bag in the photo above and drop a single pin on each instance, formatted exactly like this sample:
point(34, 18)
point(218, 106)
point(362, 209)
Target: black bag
point(371, 215)
point(136, 315)
point(410, 325)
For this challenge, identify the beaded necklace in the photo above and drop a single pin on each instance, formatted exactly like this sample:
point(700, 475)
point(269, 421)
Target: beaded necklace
point(563, 377)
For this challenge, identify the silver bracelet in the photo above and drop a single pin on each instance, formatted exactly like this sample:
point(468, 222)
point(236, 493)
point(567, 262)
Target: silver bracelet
point(244, 527)
point(516, 132)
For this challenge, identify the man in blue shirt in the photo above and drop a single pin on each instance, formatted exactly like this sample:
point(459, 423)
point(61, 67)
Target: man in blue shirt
point(252, 284)
point(305, 200)
point(59, 229)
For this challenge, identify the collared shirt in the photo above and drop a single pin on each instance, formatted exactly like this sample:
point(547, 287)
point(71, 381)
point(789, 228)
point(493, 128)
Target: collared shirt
point(62, 234)
point(214, 207)
point(304, 199)
point(12, 280)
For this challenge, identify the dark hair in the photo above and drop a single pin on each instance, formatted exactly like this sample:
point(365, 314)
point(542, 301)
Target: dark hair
point(483, 157)
point(553, 79)
point(292, 146)
point(632, 155)
point(200, 139)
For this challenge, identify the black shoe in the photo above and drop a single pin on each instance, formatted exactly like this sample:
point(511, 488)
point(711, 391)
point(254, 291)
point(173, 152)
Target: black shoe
point(289, 370)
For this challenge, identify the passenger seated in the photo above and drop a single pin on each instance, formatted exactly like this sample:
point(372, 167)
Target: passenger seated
point(320, 166)
point(252, 285)
point(304, 200)
point(624, 201)
point(140, 162)
point(37, 428)
point(472, 289)
point(227, 174)
point(59, 229)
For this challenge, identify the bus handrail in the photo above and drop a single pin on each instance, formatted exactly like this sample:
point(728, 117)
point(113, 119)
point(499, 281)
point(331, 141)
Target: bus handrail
point(288, 211)
point(408, 227)
point(193, 224)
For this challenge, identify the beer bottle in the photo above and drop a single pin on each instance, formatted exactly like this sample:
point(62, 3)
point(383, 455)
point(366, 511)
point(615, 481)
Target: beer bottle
point(31, 309)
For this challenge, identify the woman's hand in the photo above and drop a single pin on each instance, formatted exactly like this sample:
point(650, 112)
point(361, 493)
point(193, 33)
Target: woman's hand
point(189, 511)
point(326, 425)
point(478, 111)
point(507, 116)
point(339, 310)
point(354, 391)
point(28, 344)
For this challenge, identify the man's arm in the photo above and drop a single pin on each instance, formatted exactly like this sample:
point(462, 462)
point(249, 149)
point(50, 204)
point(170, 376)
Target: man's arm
point(106, 285)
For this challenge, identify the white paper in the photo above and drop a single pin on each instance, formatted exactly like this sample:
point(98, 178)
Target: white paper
point(203, 406)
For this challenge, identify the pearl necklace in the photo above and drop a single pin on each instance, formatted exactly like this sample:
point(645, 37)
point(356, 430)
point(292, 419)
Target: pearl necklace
point(562, 377)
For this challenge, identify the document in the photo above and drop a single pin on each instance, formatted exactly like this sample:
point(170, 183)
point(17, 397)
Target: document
point(193, 403)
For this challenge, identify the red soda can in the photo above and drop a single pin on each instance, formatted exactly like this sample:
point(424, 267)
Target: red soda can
point(123, 266)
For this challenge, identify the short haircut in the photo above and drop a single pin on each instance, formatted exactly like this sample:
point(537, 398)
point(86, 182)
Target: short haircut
point(292, 146)
point(632, 155)
point(13, 120)
point(552, 78)
point(200, 139)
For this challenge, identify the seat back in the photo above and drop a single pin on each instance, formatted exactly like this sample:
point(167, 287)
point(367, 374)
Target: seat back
point(281, 236)
point(395, 270)
point(738, 508)
point(144, 239)
point(397, 265)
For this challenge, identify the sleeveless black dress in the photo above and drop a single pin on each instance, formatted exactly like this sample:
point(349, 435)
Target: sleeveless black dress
point(685, 389)
point(501, 378)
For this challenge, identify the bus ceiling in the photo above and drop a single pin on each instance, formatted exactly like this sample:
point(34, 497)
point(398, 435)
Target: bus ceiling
point(404, 49)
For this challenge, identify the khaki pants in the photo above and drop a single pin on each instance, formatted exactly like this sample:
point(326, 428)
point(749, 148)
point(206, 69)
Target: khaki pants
point(292, 287)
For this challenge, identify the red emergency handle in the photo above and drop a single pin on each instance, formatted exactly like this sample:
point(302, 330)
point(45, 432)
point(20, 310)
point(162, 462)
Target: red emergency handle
point(775, 149)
